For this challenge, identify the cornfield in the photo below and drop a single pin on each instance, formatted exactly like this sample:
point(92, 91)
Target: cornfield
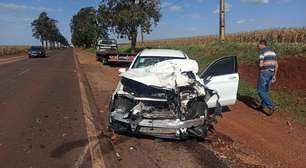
point(10, 50)
point(281, 35)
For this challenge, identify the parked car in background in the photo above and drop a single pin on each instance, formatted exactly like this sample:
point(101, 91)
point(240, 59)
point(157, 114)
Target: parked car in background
point(36, 51)
point(107, 52)
point(162, 94)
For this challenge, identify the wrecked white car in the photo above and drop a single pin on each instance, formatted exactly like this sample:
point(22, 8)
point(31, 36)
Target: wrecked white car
point(162, 95)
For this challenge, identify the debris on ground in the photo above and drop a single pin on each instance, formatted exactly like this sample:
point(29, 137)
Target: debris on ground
point(132, 148)
point(118, 156)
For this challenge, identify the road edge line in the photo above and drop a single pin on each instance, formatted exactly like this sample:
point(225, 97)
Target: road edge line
point(97, 160)
point(12, 60)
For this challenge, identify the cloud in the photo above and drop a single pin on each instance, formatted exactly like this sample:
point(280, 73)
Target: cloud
point(16, 7)
point(228, 8)
point(175, 8)
point(255, 1)
point(243, 21)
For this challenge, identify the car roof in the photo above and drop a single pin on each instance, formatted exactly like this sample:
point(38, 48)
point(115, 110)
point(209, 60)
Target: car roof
point(162, 53)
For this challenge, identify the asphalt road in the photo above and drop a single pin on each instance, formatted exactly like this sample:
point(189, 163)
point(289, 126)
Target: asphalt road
point(41, 122)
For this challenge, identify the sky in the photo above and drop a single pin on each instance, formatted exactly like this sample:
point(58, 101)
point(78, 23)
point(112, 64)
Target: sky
point(180, 18)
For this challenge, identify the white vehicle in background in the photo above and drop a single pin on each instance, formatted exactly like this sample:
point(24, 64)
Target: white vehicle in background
point(161, 94)
point(107, 52)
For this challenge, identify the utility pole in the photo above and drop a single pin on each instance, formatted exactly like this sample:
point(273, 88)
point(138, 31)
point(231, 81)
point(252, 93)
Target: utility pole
point(222, 21)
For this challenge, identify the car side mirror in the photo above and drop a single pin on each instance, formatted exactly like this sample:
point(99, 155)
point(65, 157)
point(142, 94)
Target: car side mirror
point(122, 70)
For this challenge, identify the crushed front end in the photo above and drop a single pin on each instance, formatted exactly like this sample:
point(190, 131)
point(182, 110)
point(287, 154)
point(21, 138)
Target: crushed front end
point(174, 107)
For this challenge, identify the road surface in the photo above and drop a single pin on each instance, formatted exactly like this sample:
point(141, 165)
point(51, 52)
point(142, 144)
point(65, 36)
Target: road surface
point(41, 122)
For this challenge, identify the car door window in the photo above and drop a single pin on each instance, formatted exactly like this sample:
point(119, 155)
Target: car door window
point(222, 66)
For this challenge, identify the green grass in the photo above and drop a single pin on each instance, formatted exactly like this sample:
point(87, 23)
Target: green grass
point(246, 52)
point(92, 50)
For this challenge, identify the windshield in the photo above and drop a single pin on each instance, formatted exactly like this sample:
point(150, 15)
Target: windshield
point(107, 42)
point(34, 48)
point(141, 62)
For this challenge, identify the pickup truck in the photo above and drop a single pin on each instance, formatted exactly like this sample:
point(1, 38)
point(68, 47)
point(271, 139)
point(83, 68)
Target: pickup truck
point(107, 52)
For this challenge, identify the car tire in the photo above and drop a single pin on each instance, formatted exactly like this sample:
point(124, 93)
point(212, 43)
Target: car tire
point(104, 61)
point(199, 108)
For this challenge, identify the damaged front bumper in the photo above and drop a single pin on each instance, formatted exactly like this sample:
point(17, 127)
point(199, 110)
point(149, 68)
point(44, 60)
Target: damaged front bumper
point(167, 123)
point(164, 128)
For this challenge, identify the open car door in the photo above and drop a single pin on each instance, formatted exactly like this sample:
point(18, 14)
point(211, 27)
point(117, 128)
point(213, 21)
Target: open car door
point(222, 76)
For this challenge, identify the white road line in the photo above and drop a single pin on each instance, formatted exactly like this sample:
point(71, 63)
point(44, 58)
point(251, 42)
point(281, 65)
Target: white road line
point(10, 61)
point(79, 162)
point(97, 160)
point(10, 58)
point(23, 72)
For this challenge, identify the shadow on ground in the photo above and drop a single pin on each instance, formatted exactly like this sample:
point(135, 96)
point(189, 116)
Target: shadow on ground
point(248, 100)
point(66, 147)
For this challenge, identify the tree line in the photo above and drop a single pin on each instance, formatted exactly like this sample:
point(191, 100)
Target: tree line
point(45, 29)
point(124, 18)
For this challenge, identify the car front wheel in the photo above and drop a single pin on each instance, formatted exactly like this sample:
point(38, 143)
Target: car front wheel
point(104, 61)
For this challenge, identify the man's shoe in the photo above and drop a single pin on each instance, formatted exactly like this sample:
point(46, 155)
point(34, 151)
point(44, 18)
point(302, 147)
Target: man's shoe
point(260, 108)
point(269, 111)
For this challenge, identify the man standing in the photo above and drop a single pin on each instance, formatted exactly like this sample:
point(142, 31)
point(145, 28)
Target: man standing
point(268, 67)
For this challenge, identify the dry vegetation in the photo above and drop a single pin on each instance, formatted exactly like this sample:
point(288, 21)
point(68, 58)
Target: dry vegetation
point(283, 35)
point(11, 50)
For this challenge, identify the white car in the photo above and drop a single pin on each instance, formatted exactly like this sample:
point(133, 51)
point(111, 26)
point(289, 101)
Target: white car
point(162, 94)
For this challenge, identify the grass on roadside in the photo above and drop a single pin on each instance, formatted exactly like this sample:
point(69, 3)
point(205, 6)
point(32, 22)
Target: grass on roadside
point(246, 52)
point(10, 50)
point(91, 50)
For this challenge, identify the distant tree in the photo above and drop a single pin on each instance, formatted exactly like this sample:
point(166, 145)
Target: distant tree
point(39, 27)
point(53, 32)
point(85, 29)
point(126, 17)
point(45, 29)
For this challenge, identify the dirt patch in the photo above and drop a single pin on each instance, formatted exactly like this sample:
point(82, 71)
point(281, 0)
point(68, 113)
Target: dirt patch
point(274, 140)
point(291, 75)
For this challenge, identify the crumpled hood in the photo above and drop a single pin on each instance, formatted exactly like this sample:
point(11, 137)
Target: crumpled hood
point(167, 74)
